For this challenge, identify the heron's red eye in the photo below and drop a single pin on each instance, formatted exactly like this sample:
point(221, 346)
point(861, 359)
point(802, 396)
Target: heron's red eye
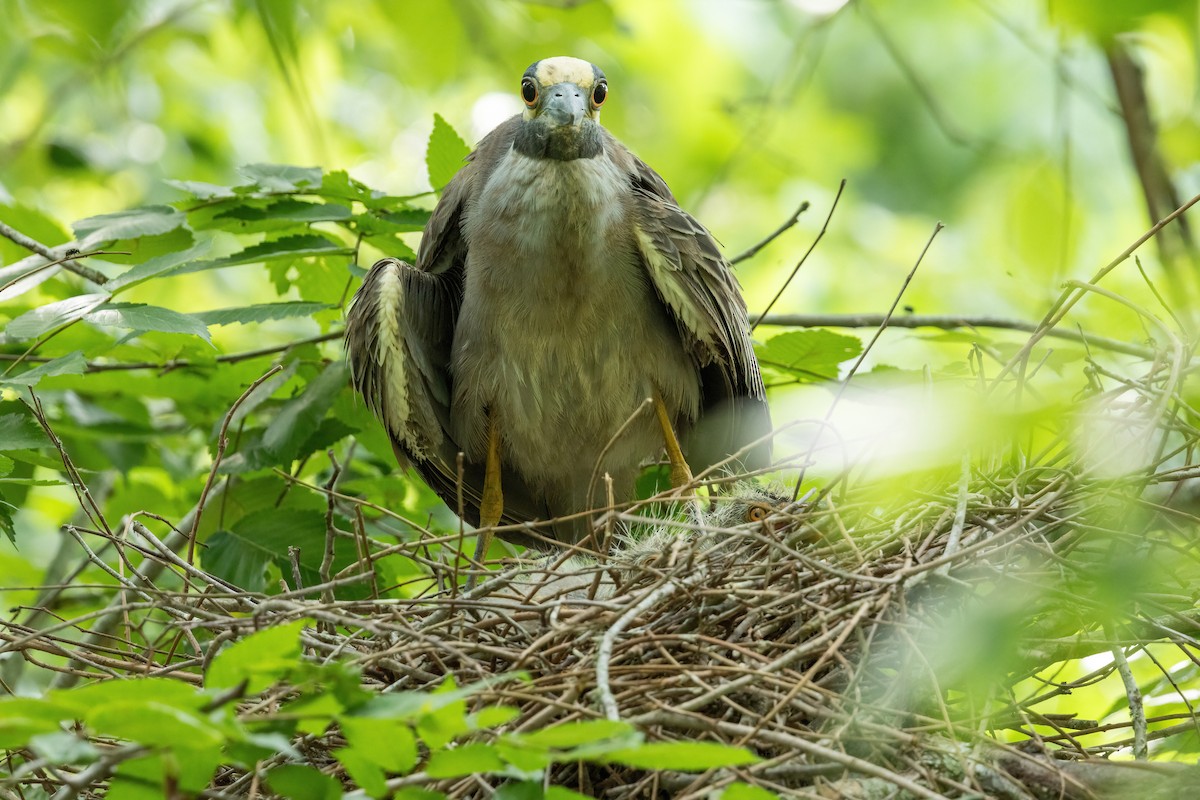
point(529, 92)
point(757, 513)
point(599, 94)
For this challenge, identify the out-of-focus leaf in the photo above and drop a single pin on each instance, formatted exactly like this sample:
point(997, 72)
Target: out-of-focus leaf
point(140, 317)
point(63, 747)
point(260, 659)
point(808, 355)
point(296, 421)
point(744, 791)
point(40, 320)
point(388, 743)
point(474, 758)
point(132, 224)
point(20, 432)
point(446, 154)
point(32, 223)
point(1103, 21)
point(281, 177)
point(683, 756)
point(297, 782)
point(70, 364)
point(260, 313)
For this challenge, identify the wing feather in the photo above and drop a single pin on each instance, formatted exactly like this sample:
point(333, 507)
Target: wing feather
point(697, 286)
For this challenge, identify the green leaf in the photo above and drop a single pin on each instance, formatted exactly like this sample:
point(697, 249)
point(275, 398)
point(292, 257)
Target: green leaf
point(132, 224)
point(40, 320)
point(744, 791)
point(20, 432)
point(260, 659)
point(260, 312)
point(63, 747)
point(200, 190)
point(141, 317)
point(32, 223)
point(520, 790)
point(365, 772)
point(70, 364)
point(809, 355)
point(388, 743)
point(6, 465)
point(417, 793)
point(154, 267)
point(153, 723)
point(240, 556)
point(683, 756)
point(281, 177)
point(287, 212)
point(469, 759)
point(573, 734)
point(296, 421)
point(446, 154)
point(563, 793)
point(297, 782)
point(298, 246)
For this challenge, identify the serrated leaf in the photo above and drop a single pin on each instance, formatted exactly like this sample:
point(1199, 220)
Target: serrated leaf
point(241, 554)
point(683, 756)
point(6, 465)
point(132, 224)
point(287, 212)
point(40, 320)
point(281, 177)
point(298, 246)
point(446, 154)
point(808, 355)
point(141, 317)
point(70, 364)
point(261, 312)
point(260, 659)
point(200, 190)
point(154, 267)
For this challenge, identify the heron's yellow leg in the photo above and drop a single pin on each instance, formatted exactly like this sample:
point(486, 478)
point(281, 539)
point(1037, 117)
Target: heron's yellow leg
point(681, 475)
point(491, 504)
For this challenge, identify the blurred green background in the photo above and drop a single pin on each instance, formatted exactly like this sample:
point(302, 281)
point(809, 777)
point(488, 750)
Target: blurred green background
point(997, 118)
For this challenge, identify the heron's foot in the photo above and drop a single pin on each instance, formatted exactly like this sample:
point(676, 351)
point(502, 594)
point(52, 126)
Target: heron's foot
point(491, 504)
point(681, 474)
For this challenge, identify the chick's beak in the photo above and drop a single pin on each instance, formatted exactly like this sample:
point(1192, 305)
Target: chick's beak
point(565, 104)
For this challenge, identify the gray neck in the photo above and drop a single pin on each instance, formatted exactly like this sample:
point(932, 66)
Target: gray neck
point(540, 140)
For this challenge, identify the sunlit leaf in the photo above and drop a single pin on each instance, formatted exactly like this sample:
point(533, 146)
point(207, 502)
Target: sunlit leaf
point(683, 756)
point(140, 317)
point(281, 177)
point(40, 320)
point(260, 659)
point(132, 224)
point(469, 759)
point(260, 313)
point(70, 364)
point(446, 154)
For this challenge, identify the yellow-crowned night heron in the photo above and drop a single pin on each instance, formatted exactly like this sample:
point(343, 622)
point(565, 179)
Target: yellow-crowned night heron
point(558, 286)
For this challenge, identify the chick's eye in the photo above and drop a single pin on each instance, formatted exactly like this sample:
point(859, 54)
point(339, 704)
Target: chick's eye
point(529, 92)
point(599, 94)
point(757, 513)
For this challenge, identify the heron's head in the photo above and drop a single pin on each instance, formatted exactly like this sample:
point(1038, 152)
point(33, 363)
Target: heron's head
point(562, 97)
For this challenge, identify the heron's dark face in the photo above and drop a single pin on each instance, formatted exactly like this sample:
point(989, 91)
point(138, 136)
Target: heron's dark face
point(562, 97)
